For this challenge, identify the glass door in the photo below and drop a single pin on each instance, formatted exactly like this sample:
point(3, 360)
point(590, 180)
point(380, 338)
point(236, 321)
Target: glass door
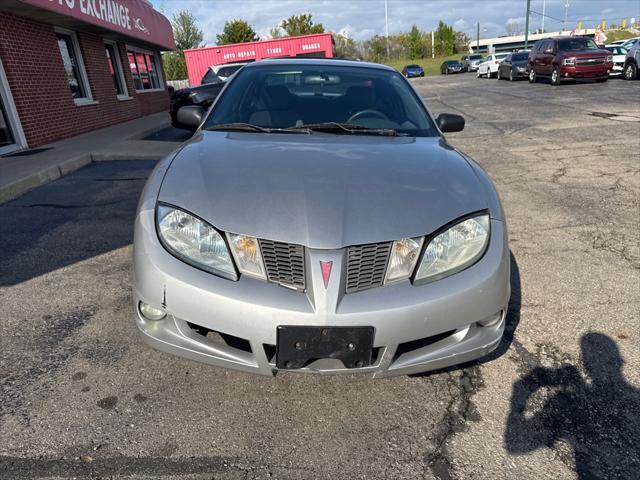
point(11, 135)
point(6, 135)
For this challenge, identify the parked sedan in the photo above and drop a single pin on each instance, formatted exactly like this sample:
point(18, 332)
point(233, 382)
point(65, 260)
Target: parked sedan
point(514, 66)
point(489, 66)
point(318, 221)
point(450, 66)
point(410, 71)
point(619, 56)
point(203, 96)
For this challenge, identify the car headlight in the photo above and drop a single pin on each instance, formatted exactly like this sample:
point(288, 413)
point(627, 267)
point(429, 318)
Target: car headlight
point(569, 61)
point(609, 58)
point(455, 249)
point(194, 241)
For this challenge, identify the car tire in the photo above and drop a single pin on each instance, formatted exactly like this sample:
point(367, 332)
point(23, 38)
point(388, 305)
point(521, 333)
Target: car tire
point(478, 74)
point(511, 77)
point(630, 71)
point(555, 76)
point(532, 76)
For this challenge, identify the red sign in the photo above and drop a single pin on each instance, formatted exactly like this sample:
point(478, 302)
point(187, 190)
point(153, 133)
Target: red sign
point(134, 18)
point(200, 59)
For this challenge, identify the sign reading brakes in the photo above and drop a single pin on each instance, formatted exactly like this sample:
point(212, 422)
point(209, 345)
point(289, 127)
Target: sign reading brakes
point(105, 10)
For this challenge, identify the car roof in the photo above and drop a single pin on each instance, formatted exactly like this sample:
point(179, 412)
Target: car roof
point(235, 64)
point(321, 62)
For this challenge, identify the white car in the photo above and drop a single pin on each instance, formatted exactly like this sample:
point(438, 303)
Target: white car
point(220, 73)
point(619, 55)
point(630, 42)
point(489, 66)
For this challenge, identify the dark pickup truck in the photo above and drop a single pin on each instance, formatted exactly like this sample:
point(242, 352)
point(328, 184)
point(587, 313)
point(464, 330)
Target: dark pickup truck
point(567, 58)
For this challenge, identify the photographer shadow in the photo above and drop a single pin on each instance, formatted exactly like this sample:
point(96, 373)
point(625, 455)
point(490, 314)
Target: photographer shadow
point(597, 416)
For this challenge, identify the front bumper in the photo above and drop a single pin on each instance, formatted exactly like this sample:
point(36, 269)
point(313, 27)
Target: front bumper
point(417, 328)
point(594, 72)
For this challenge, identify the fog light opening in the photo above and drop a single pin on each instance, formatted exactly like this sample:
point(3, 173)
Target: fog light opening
point(151, 313)
point(492, 320)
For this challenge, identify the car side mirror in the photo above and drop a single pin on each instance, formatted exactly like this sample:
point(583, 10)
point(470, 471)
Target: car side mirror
point(449, 122)
point(191, 116)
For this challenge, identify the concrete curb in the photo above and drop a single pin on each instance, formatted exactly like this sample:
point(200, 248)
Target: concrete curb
point(131, 148)
point(13, 190)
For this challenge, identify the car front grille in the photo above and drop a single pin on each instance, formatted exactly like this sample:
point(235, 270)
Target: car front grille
point(366, 266)
point(590, 61)
point(284, 263)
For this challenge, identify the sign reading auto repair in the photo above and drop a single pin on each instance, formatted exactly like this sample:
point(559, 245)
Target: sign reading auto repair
point(134, 18)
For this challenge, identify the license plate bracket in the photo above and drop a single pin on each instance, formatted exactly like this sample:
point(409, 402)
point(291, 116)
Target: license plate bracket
point(299, 345)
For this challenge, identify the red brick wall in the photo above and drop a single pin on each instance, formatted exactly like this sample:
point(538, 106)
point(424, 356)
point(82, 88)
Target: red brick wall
point(38, 83)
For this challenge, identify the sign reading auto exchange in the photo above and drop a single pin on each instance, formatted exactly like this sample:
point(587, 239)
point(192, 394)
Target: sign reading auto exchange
point(134, 18)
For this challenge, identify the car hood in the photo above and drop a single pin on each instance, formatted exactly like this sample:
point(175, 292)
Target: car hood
point(322, 191)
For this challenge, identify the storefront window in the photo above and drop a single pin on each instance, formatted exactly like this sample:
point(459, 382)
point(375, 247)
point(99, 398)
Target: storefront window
point(144, 70)
point(115, 71)
point(72, 65)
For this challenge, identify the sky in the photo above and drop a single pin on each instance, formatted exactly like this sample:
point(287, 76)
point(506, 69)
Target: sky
point(361, 19)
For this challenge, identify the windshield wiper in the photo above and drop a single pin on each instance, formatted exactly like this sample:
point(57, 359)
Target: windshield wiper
point(249, 127)
point(345, 128)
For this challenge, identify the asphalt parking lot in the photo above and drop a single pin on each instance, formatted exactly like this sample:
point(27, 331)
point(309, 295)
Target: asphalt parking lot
point(82, 396)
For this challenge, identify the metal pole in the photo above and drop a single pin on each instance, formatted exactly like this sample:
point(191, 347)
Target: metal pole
point(566, 13)
point(386, 26)
point(544, 4)
point(478, 38)
point(526, 27)
point(433, 45)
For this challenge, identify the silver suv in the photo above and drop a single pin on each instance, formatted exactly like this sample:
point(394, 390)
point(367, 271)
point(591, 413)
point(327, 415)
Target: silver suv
point(631, 62)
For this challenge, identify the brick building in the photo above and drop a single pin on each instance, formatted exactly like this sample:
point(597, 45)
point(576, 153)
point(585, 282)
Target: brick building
point(71, 66)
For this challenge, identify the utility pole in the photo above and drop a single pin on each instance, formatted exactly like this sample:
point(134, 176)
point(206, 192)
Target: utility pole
point(478, 37)
point(566, 14)
point(386, 26)
point(544, 4)
point(433, 45)
point(526, 26)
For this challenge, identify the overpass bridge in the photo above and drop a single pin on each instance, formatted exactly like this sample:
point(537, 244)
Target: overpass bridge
point(516, 42)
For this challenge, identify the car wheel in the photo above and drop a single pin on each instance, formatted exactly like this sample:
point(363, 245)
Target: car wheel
point(532, 76)
point(478, 73)
point(555, 76)
point(511, 78)
point(630, 71)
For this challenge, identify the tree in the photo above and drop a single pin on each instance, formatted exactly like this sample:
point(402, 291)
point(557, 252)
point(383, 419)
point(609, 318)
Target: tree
point(185, 31)
point(413, 43)
point(300, 25)
point(345, 47)
point(444, 39)
point(237, 31)
point(187, 35)
point(461, 42)
point(174, 66)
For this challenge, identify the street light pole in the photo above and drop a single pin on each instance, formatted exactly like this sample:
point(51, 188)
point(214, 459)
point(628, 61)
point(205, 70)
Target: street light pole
point(526, 27)
point(566, 13)
point(544, 4)
point(386, 26)
point(478, 38)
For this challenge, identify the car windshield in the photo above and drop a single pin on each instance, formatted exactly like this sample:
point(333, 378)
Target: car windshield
point(280, 96)
point(452, 62)
point(519, 57)
point(501, 55)
point(475, 57)
point(413, 66)
point(570, 44)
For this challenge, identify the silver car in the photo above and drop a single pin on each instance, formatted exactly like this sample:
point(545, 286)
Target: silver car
point(318, 221)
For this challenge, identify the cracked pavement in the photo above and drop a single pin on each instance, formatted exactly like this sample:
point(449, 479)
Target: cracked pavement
point(83, 397)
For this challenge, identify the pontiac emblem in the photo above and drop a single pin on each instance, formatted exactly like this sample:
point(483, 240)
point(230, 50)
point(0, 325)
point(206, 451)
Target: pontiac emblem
point(326, 271)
